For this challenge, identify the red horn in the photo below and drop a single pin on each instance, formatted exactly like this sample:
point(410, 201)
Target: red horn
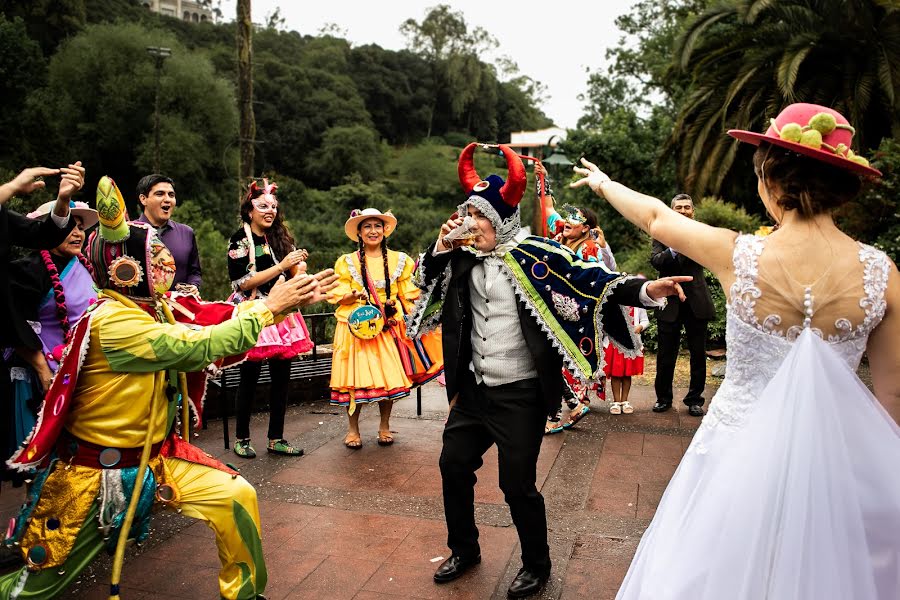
point(251, 188)
point(516, 180)
point(468, 177)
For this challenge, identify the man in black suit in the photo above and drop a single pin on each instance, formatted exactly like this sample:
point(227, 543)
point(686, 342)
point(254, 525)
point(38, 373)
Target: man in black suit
point(693, 314)
point(502, 366)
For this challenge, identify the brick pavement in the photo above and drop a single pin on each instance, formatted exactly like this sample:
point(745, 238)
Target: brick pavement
point(368, 524)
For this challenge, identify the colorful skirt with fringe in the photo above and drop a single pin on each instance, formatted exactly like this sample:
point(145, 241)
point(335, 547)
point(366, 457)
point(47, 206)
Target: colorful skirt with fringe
point(364, 371)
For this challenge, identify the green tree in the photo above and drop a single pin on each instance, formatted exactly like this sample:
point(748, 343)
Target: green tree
point(107, 120)
point(443, 39)
point(395, 89)
point(874, 217)
point(747, 59)
point(22, 68)
point(48, 21)
point(346, 151)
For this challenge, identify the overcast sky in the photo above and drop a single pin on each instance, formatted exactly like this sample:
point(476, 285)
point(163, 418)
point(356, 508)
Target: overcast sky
point(551, 41)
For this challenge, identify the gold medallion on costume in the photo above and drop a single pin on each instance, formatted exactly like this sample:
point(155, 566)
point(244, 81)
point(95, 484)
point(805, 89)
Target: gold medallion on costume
point(366, 321)
point(125, 272)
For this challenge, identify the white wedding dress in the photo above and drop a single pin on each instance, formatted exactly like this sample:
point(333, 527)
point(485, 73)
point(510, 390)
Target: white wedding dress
point(790, 489)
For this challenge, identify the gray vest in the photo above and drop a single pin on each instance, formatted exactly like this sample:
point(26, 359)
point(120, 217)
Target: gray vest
point(499, 352)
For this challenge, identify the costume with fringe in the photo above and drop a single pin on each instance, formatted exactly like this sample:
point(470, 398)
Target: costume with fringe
point(511, 317)
point(105, 446)
point(372, 370)
point(249, 254)
point(568, 298)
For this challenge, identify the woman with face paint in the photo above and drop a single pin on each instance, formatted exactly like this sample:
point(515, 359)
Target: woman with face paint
point(373, 359)
point(259, 253)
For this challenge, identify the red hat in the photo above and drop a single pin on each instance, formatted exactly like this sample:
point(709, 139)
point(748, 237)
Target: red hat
point(815, 131)
point(498, 200)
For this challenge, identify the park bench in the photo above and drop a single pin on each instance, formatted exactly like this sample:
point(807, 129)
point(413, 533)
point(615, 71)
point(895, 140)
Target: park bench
point(312, 368)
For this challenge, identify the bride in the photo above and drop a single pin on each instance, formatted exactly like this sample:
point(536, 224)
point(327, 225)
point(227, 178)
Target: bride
point(789, 489)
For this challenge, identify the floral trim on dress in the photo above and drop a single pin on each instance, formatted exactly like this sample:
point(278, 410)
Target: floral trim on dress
point(240, 249)
point(379, 283)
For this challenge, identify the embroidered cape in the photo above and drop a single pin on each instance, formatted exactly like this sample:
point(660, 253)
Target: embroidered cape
point(566, 295)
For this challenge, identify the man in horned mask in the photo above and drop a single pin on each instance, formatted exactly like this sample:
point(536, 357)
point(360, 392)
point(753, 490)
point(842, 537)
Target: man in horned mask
point(513, 313)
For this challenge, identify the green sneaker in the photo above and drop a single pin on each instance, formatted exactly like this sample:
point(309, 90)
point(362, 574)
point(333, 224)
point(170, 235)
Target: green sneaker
point(243, 449)
point(283, 447)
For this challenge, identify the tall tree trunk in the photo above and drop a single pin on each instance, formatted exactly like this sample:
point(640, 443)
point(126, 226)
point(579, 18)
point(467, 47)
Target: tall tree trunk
point(247, 133)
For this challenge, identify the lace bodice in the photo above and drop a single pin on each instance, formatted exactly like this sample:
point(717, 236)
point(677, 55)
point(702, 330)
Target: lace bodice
point(757, 348)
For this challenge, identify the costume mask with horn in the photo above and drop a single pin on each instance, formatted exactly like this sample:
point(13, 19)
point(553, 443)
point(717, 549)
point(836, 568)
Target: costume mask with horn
point(498, 200)
point(128, 256)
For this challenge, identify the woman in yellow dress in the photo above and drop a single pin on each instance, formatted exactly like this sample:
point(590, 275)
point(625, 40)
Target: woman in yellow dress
point(373, 359)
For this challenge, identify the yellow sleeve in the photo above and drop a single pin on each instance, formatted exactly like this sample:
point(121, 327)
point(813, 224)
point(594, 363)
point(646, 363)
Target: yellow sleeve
point(133, 342)
point(405, 286)
point(345, 281)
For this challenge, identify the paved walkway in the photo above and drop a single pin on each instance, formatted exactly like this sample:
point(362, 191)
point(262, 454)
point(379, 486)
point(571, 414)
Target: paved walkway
point(368, 524)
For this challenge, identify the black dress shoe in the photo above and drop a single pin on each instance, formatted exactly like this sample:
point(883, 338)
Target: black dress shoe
point(662, 406)
point(453, 567)
point(526, 583)
point(695, 410)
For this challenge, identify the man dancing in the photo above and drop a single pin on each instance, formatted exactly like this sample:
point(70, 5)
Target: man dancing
point(104, 443)
point(512, 314)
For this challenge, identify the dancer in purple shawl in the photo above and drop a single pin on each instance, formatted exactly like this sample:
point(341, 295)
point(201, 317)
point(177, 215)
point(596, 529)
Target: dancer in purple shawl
point(53, 289)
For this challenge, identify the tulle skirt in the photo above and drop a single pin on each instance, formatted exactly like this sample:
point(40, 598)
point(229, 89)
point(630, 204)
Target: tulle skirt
point(618, 365)
point(800, 502)
point(283, 340)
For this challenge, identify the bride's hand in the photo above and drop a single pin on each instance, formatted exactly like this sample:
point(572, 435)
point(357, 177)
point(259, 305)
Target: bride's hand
point(592, 176)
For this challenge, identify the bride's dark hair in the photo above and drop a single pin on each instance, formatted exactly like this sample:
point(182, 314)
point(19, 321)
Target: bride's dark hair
point(807, 185)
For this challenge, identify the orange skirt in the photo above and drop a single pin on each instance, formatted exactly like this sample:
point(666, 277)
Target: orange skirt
point(372, 370)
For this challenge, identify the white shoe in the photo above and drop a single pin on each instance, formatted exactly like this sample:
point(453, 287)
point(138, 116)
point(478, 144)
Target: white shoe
point(627, 408)
point(615, 408)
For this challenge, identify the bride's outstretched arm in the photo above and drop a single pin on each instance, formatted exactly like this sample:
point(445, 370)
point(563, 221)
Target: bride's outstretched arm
point(710, 246)
point(883, 350)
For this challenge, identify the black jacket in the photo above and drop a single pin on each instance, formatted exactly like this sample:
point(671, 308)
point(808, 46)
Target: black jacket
point(456, 325)
point(698, 299)
point(17, 230)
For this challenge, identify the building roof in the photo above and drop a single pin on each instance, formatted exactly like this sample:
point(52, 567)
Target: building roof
point(534, 139)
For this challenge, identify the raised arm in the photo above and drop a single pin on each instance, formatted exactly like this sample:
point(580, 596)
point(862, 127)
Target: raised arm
point(883, 350)
point(710, 246)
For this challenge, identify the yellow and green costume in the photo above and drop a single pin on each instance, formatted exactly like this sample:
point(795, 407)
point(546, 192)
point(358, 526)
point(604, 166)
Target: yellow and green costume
point(114, 385)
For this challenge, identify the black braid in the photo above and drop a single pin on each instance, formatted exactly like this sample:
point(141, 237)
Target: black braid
point(362, 264)
point(390, 308)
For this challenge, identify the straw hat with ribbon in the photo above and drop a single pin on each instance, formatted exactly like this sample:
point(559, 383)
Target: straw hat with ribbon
point(351, 227)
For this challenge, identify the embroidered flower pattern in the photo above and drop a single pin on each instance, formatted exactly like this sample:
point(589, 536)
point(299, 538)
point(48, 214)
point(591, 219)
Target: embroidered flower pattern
point(565, 306)
point(240, 249)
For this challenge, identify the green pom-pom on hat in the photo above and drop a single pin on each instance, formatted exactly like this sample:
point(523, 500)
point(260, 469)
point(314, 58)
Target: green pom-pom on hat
point(824, 123)
point(791, 132)
point(811, 138)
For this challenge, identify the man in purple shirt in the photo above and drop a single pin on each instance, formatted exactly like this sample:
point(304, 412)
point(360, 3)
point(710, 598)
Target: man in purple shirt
point(156, 193)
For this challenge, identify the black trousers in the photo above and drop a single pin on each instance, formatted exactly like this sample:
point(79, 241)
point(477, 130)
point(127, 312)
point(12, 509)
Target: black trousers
point(669, 339)
point(511, 416)
point(280, 371)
